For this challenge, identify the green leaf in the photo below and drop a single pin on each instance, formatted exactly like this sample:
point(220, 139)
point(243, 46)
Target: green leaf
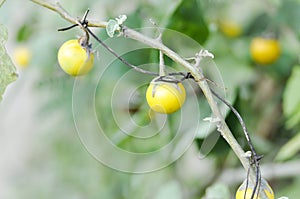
point(289, 13)
point(24, 32)
point(291, 98)
point(188, 19)
point(289, 149)
point(292, 190)
point(8, 70)
point(169, 190)
point(218, 191)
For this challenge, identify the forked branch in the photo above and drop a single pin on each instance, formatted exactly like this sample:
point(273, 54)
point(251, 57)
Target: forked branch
point(194, 71)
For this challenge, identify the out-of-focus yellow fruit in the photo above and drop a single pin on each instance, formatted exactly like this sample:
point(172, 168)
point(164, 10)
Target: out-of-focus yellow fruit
point(231, 28)
point(264, 51)
point(22, 56)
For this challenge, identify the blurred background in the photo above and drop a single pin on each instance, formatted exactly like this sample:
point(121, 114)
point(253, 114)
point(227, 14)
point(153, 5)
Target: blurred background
point(47, 150)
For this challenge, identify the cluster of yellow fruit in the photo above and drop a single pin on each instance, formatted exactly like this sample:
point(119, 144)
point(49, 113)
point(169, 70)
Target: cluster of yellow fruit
point(263, 50)
point(162, 97)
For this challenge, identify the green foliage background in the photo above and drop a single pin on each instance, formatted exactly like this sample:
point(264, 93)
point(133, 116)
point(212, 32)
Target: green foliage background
point(57, 164)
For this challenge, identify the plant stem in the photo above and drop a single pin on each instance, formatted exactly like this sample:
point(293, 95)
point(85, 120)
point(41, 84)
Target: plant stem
point(56, 7)
point(119, 57)
point(162, 68)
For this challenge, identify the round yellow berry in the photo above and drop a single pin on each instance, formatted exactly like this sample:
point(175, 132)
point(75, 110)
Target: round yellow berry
point(165, 97)
point(75, 59)
point(242, 193)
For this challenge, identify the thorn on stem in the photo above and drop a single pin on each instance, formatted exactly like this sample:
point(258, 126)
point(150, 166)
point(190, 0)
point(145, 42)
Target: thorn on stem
point(68, 28)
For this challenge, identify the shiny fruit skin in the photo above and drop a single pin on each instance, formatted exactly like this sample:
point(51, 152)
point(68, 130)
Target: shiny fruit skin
point(264, 51)
point(165, 97)
point(22, 56)
point(74, 59)
point(263, 187)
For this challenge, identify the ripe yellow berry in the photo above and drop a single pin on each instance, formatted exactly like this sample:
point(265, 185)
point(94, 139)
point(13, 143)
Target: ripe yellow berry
point(75, 59)
point(264, 187)
point(165, 97)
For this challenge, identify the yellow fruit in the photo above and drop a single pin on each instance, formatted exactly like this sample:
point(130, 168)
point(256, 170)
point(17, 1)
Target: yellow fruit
point(75, 59)
point(165, 97)
point(230, 28)
point(264, 187)
point(22, 56)
point(264, 51)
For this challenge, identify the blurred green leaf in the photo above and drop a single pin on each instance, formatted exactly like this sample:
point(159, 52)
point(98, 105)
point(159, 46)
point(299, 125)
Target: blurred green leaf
point(8, 70)
point(169, 190)
point(24, 32)
point(134, 19)
point(188, 19)
point(291, 190)
point(2, 2)
point(218, 191)
point(289, 149)
point(159, 11)
point(235, 73)
point(291, 98)
point(258, 24)
point(289, 13)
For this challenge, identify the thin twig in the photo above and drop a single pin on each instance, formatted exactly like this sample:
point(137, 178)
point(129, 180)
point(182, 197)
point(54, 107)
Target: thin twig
point(119, 57)
point(56, 7)
point(162, 67)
